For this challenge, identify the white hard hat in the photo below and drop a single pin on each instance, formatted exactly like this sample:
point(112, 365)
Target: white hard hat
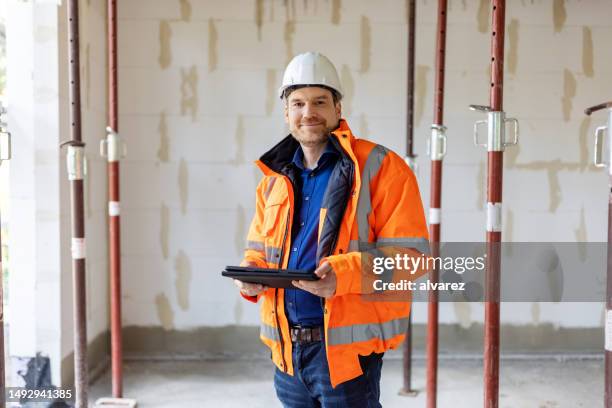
point(311, 68)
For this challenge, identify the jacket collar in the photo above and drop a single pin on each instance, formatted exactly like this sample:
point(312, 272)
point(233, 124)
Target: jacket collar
point(279, 158)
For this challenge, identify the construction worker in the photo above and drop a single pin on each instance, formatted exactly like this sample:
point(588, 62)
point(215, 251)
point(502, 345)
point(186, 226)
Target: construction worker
point(327, 197)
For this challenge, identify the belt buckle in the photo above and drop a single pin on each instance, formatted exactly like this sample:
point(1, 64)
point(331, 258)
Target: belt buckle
point(308, 335)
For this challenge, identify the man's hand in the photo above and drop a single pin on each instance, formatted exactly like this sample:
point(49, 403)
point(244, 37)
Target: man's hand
point(324, 287)
point(250, 289)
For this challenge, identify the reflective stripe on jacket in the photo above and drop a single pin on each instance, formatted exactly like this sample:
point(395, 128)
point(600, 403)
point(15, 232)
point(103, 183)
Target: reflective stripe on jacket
point(372, 201)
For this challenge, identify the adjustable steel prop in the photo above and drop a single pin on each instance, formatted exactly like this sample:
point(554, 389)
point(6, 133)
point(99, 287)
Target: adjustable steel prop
point(76, 173)
point(437, 151)
point(411, 161)
point(496, 143)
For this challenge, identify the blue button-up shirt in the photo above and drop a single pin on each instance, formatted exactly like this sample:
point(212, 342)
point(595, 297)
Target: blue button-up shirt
point(303, 308)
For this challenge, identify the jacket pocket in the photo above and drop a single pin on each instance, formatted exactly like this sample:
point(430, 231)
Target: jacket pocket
point(272, 217)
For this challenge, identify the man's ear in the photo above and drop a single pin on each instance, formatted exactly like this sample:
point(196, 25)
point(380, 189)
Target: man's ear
point(339, 109)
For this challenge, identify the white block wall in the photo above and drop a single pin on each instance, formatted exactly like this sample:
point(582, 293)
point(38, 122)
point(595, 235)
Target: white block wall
point(40, 271)
point(198, 104)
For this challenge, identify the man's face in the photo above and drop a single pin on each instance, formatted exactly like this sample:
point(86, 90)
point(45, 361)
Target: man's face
point(311, 115)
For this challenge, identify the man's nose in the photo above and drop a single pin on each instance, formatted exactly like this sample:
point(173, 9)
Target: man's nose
point(308, 109)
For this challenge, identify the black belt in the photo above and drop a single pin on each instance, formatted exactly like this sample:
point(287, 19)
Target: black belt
point(303, 335)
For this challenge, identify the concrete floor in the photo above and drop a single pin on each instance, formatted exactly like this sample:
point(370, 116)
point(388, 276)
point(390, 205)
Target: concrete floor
point(524, 383)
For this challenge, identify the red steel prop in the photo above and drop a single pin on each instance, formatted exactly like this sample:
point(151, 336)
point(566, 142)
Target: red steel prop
point(601, 161)
point(411, 161)
point(110, 149)
point(5, 154)
point(496, 143)
point(76, 171)
point(437, 151)
point(113, 149)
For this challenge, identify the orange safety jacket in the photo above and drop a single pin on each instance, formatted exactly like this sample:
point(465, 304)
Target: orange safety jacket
point(372, 201)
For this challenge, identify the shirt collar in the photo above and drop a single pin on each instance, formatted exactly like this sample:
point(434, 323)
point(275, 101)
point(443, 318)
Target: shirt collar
point(329, 152)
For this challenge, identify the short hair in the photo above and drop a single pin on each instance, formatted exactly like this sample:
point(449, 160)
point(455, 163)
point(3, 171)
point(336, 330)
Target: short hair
point(335, 94)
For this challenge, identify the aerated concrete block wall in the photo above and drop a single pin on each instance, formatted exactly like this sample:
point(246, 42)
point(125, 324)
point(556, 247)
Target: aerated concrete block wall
point(39, 312)
point(198, 105)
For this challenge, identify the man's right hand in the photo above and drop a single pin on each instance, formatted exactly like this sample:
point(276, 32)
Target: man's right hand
point(250, 289)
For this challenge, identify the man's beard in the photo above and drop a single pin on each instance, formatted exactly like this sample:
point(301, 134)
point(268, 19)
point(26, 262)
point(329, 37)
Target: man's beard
point(314, 139)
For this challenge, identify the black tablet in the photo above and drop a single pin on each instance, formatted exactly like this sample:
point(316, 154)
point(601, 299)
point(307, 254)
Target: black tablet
point(272, 278)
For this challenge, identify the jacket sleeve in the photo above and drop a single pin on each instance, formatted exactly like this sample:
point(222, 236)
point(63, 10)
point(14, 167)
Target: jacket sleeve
point(396, 224)
point(254, 253)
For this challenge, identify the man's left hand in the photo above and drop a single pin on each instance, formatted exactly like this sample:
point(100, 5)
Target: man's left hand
point(324, 287)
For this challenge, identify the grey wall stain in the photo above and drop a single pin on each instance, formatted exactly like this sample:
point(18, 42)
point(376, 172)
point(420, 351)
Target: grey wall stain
point(164, 230)
point(483, 16)
point(165, 51)
point(183, 184)
point(569, 91)
point(348, 86)
point(189, 92)
point(463, 313)
point(420, 87)
point(581, 236)
point(182, 266)
point(366, 44)
point(584, 143)
point(239, 139)
point(335, 15)
point(552, 168)
point(241, 230)
point(185, 10)
point(364, 130)
point(259, 12)
point(480, 186)
point(535, 313)
point(213, 38)
point(555, 188)
point(513, 39)
point(559, 14)
point(288, 33)
point(291, 10)
point(163, 153)
point(271, 90)
point(587, 52)
point(164, 311)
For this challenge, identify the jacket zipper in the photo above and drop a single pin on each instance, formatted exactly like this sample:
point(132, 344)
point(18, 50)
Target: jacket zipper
point(280, 263)
point(335, 243)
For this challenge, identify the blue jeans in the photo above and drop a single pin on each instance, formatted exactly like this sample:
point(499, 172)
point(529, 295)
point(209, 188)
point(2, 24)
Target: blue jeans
point(310, 386)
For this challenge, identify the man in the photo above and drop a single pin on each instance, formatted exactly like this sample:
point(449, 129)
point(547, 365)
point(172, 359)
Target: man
point(327, 198)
